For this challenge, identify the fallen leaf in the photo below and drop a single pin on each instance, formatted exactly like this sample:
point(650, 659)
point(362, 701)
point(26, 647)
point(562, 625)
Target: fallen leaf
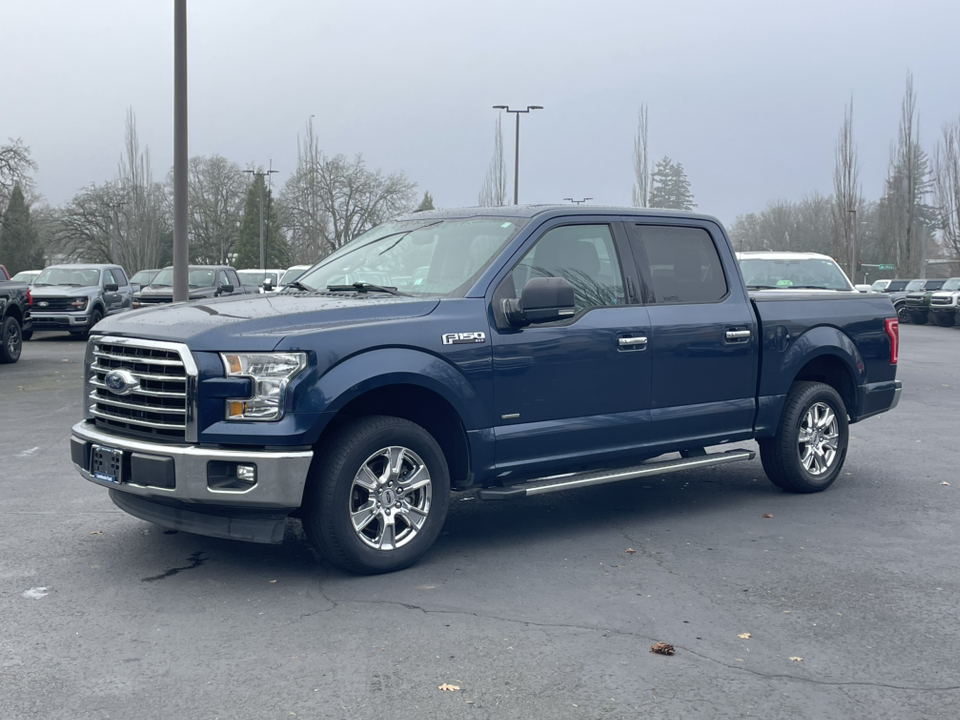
point(744, 636)
point(448, 688)
point(797, 659)
point(97, 532)
point(767, 515)
point(662, 648)
point(944, 483)
point(630, 551)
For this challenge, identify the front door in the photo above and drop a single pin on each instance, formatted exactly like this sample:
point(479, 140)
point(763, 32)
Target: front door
point(579, 388)
point(704, 341)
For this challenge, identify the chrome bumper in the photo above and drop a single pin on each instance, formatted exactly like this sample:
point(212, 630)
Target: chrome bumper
point(281, 476)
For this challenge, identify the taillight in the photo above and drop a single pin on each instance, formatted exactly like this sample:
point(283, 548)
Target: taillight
point(29, 297)
point(892, 326)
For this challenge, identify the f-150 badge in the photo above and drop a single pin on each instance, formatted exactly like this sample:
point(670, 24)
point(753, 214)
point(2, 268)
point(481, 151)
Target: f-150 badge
point(461, 338)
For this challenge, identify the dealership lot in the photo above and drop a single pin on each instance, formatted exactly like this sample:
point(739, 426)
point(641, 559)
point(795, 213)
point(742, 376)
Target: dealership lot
point(533, 608)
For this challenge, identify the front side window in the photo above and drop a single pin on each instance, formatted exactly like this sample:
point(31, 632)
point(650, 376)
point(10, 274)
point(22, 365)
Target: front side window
point(108, 278)
point(682, 264)
point(416, 257)
point(582, 254)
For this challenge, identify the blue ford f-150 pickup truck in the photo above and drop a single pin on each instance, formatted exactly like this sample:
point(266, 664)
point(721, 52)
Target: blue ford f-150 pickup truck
point(518, 351)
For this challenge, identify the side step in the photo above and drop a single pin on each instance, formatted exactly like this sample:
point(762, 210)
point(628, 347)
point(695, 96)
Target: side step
point(556, 483)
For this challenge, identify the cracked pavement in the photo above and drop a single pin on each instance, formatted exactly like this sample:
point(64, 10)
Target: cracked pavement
point(531, 607)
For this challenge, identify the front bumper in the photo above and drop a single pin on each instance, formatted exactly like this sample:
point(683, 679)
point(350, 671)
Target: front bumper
point(180, 472)
point(60, 321)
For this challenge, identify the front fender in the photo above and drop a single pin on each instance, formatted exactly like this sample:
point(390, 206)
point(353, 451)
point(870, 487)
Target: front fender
point(370, 370)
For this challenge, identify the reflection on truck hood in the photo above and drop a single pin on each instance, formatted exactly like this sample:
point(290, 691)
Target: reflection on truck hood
point(41, 291)
point(261, 320)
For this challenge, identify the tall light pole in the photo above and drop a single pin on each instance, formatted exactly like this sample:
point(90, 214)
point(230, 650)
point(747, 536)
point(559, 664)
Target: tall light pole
point(181, 286)
point(578, 202)
point(262, 174)
point(853, 247)
point(516, 157)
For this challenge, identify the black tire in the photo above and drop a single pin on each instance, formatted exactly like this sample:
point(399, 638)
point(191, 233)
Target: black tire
point(902, 314)
point(95, 317)
point(26, 334)
point(943, 319)
point(336, 492)
point(784, 455)
point(11, 340)
point(918, 318)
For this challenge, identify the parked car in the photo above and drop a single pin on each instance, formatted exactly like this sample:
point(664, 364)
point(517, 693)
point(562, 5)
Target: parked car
point(26, 276)
point(896, 290)
point(917, 302)
point(75, 297)
point(143, 278)
point(15, 319)
point(4, 275)
point(546, 348)
point(792, 271)
point(944, 305)
point(205, 281)
point(266, 280)
point(293, 273)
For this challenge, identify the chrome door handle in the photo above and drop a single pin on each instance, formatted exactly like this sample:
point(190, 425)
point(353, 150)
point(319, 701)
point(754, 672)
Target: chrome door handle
point(738, 334)
point(632, 341)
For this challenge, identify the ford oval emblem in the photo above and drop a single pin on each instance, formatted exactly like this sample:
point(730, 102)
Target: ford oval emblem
point(120, 382)
point(43, 303)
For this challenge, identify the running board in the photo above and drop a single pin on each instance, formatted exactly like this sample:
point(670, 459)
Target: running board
point(556, 483)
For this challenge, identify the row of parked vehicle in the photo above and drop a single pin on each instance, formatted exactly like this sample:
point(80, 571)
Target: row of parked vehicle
point(923, 300)
point(75, 297)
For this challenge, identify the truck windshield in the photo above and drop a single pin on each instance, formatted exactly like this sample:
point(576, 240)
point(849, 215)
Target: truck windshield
point(256, 277)
point(76, 277)
point(197, 277)
point(784, 274)
point(416, 257)
point(951, 285)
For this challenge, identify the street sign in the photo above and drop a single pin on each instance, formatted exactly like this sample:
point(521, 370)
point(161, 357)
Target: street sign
point(887, 267)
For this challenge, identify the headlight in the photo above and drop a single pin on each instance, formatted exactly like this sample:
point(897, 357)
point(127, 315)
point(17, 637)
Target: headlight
point(270, 372)
point(79, 303)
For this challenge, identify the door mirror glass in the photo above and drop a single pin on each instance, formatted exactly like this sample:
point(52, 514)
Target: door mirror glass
point(542, 300)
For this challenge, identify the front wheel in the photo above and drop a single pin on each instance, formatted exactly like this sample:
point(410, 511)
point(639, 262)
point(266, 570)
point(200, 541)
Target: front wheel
point(95, 317)
point(942, 319)
point(11, 340)
point(918, 318)
point(807, 453)
point(377, 495)
point(902, 315)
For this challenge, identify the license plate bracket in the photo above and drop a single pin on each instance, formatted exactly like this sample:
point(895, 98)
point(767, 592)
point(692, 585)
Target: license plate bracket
point(106, 464)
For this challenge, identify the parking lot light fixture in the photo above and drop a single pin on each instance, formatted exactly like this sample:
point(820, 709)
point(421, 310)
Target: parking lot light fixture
point(516, 157)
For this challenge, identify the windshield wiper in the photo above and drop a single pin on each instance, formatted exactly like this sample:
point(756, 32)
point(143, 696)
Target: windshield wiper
point(761, 287)
point(36, 284)
point(365, 287)
point(299, 286)
point(156, 285)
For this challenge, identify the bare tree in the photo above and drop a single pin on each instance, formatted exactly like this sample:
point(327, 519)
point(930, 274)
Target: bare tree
point(493, 193)
point(303, 212)
point(847, 199)
point(216, 192)
point(946, 171)
point(641, 161)
point(905, 217)
point(15, 167)
point(804, 226)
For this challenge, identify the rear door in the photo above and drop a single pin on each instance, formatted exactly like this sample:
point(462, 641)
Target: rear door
point(703, 345)
point(578, 389)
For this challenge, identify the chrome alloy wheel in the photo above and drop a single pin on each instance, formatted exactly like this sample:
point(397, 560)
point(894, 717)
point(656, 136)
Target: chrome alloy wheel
point(390, 498)
point(818, 438)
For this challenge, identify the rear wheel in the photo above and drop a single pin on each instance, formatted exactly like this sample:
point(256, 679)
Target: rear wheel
point(11, 340)
point(377, 495)
point(807, 453)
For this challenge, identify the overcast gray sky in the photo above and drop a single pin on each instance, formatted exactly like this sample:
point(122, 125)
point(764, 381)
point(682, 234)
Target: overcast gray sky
point(749, 96)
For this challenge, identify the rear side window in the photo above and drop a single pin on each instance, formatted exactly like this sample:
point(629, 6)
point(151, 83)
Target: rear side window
point(682, 264)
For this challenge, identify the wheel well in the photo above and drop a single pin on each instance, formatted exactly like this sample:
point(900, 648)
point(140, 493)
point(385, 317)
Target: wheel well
point(831, 370)
point(424, 407)
point(14, 312)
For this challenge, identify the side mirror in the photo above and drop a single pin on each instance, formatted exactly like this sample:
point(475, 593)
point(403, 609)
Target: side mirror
point(542, 300)
point(111, 287)
point(226, 288)
point(268, 284)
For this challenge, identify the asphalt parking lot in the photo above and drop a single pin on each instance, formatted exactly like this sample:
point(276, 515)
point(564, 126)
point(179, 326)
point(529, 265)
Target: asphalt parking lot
point(536, 608)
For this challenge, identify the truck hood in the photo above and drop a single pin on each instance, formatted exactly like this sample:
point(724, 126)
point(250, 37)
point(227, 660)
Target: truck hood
point(59, 291)
point(258, 322)
point(166, 293)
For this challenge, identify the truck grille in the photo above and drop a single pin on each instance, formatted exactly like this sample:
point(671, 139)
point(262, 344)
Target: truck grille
point(157, 403)
point(941, 301)
point(53, 304)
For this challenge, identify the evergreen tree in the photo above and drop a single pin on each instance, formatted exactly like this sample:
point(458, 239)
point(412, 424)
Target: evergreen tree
point(275, 250)
point(670, 187)
point(426, 203)
point(19, 246)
